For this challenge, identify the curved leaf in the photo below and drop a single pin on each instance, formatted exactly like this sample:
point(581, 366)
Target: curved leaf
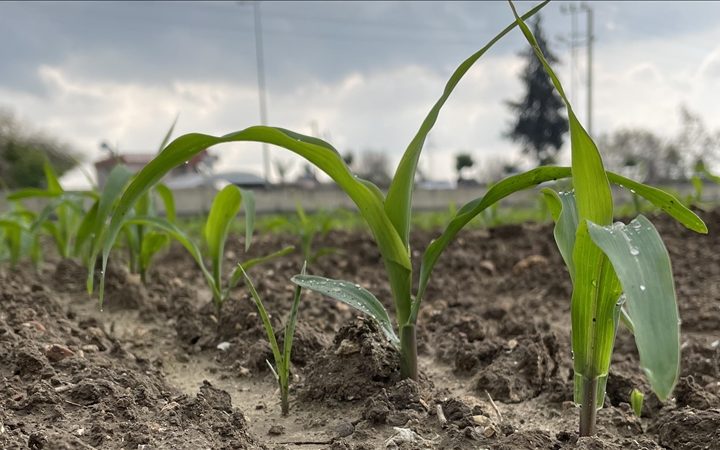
point(352, 295)
point(663, 200)
point(225, 208)
point(399, 198)
point(168, 200)
point(151, 244)
point(117, 179)
point(564, 213)
point(642, 264)
point(316, 151)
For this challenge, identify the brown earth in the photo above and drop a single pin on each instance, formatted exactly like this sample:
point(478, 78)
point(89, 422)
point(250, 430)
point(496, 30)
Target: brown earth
point(146, 373)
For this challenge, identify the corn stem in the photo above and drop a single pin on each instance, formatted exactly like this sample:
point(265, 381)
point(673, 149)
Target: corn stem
point(588, 409)
point(408, 352)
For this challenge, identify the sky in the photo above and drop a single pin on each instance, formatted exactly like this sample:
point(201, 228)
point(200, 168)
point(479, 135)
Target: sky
point(361, 75)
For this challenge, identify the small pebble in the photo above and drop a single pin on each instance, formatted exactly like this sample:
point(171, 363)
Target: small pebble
point(276, 430)
point(223, 346)
point(344, 429)
point(57, 352)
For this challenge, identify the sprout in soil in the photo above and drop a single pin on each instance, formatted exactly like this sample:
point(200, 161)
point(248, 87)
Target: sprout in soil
point(224, 209)
point(282, 358)
point(636, 401)
point(617, 270)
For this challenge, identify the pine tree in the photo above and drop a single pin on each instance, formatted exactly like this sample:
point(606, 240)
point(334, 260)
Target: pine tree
point(540, 123)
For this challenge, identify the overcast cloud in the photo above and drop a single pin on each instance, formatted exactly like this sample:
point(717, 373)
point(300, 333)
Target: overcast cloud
point(365, 72)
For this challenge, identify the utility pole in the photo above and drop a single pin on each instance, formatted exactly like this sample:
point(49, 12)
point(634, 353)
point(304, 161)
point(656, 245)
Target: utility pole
point(260, 67)
point(574, 42)
point(260, 57)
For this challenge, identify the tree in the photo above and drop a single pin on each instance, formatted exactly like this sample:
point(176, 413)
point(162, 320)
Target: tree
point(463, 161)
point(540, 123)
point(23, 153)
point(641, 154)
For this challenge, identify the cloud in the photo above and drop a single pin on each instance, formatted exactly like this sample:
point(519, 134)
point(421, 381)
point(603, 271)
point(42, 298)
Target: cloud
point(364, 73)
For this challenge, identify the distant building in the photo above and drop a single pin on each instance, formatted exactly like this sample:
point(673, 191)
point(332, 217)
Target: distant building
point(193, 180)
point(136, 161)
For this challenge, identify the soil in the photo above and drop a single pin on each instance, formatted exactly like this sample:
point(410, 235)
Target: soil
point(158, 367)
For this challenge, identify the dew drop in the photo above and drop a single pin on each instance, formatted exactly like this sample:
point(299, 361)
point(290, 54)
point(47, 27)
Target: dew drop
point(642, 287)
point(634, 251)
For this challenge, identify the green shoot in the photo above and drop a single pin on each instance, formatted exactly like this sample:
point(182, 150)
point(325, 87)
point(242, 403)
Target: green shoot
point(18, 236)
point(388, 217)
point(308, 228)
point(615, 270)
point(282, 357)
point(636, 401)
point(225, 207)
point(67, 207)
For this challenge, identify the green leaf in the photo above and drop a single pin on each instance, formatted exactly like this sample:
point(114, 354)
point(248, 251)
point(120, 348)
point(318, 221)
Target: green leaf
point(291, 322)
point(353, 295)
point(316, 151)
point(272, 340)
point(643, 266)
point(663, 200)
point(152, 243)
point(249, 207)
point(225, 208)
point(168, 200)
point(85, 229)
point(399, 198)
point(636, 401)
point(117, 179)
point(53, 184)
point(592, 190)
point(169, 133)
point(564, 213)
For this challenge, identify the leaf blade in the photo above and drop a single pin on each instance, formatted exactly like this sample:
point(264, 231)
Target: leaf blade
point(352, 295)
point(398, 203)
point(642, 264)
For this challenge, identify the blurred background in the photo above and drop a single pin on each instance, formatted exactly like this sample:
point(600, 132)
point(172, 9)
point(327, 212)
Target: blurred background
point(93, 83)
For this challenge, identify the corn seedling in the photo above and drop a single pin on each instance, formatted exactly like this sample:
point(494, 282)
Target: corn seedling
point(225, 207)
point(310, 227)
point(142, 243)
point(281, 371)
point(616, 270)
point(387, 216)
point(18, 237)
point(701, 173)
point(636, 401)
point(67, 207)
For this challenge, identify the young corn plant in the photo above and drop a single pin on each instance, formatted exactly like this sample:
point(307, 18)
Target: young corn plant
point(225, 208)
point(617, 270)
point(308, 228)
point(19, 240)
point(66, 207)
point(388, 216)
point(281, 371)
point(142, 243)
